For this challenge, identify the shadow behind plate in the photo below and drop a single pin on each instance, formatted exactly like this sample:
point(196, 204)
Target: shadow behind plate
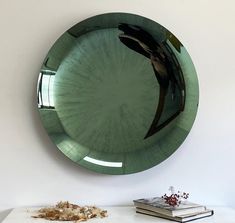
point(97, 98)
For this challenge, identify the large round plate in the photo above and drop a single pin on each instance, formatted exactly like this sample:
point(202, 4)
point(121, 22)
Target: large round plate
point(117, 93)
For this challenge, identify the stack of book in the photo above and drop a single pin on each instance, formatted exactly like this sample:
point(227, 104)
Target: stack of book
point(185, 212)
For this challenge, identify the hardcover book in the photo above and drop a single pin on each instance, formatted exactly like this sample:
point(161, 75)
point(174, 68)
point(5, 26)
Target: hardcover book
point(182, 218)
point(158, 205)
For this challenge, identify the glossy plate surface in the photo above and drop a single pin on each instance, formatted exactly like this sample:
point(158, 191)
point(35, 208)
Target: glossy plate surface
point(117, 93)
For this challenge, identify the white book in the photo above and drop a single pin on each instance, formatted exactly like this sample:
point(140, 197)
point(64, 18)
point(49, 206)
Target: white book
point(157, 204)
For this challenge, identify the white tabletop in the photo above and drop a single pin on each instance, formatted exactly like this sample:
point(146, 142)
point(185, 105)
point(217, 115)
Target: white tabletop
point(121, 215)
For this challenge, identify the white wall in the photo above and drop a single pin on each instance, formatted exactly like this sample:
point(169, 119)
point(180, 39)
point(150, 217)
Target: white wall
point(33, 172)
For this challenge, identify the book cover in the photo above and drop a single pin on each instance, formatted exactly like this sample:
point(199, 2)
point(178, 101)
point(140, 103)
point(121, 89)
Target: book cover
point(157, 204)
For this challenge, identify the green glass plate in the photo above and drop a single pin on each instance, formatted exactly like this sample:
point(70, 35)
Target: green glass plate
point(117, 93)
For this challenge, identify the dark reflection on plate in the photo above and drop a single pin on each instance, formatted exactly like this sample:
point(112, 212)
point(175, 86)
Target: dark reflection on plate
point(117, 93)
